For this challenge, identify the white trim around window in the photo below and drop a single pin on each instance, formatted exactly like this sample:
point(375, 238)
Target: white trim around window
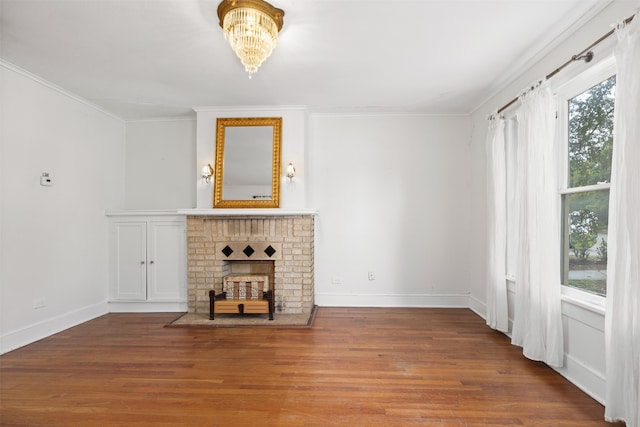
point(572, 85)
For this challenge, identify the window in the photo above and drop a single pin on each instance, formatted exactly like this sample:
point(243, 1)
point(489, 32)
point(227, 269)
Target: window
point(585, 197)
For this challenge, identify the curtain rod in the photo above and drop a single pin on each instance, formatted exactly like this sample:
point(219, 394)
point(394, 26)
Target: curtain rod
point(585, 54)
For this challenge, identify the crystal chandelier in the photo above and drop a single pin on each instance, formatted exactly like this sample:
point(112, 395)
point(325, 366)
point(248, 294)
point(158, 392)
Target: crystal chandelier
point(251, 27)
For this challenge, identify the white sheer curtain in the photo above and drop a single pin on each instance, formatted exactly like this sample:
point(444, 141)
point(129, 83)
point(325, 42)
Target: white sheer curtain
point(537, 323)
point(622, 323)
point(496, 312)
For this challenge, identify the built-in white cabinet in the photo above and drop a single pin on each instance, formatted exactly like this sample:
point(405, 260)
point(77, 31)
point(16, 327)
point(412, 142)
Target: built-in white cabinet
point(147, 259)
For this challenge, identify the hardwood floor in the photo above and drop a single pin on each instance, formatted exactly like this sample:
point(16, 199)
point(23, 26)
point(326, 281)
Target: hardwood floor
point(355, 367)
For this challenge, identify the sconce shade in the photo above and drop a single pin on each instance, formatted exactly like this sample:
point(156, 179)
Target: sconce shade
point(207, 172)
point(251, 27)
point(291, 171)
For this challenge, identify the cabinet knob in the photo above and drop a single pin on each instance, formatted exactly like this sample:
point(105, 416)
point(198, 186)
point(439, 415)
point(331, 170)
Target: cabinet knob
point(141, 262)
point(150, 262)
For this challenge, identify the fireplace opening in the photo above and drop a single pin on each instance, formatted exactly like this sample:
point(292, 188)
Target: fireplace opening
point(260, 268)
point(264, 268)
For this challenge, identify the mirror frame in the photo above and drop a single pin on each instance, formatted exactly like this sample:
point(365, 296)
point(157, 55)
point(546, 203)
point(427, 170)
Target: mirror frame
point(221, 125)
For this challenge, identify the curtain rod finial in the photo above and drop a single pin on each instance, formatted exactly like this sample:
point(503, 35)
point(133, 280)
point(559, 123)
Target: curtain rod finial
point(587, 57)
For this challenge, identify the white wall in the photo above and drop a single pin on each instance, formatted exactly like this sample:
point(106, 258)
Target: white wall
point(292, 193)
point(53, 247)
point(161, 170)
point(583, 325)
point(393, 196)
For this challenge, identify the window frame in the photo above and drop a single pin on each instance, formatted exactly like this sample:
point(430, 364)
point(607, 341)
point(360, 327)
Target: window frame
point(574, 85)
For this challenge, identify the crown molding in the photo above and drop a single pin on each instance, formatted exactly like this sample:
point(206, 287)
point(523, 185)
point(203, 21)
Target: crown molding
point(12, 67)
point(542, 49)
point(163, 119)
point(265, 108)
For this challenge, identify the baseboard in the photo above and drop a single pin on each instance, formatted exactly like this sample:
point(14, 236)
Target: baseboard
point(37, 331)
point(477, 306)
point(392, 300)
point(584, 377)
point(146, 307)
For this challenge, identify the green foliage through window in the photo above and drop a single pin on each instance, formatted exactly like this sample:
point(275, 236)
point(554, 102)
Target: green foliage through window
point(591, 134)
point(590, 139)
point(583, 234)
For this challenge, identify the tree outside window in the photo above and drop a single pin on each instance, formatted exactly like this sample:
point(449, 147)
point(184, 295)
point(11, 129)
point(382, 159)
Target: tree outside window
point(590, 141)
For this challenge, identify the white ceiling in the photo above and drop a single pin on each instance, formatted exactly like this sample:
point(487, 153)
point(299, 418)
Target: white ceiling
point(157, 58)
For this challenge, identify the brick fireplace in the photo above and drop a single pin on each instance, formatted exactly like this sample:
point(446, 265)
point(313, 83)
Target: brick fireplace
point(279, 246)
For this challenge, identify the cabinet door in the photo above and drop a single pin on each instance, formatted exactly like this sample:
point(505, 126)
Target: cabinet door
point(167, 258)
point(129, 261)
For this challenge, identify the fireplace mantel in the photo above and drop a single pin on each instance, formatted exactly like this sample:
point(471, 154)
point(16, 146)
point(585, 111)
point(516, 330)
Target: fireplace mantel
point(246, 212)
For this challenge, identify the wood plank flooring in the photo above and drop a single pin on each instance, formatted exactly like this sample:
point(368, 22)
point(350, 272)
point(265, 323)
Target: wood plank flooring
point(355, 367)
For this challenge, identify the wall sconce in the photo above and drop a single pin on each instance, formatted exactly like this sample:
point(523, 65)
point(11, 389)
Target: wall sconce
point(207, 172)
point(291, 171)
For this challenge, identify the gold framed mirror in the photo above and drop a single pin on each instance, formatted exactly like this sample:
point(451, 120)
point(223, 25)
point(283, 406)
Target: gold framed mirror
point(247, 163)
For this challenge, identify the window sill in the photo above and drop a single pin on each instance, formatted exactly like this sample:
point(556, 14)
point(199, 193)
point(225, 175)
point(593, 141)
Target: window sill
point(585, 300)
point(591, 302)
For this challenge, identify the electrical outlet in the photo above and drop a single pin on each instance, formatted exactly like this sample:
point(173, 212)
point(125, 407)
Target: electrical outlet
point(39, 303)
point(336, 280)
point(372, 275)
